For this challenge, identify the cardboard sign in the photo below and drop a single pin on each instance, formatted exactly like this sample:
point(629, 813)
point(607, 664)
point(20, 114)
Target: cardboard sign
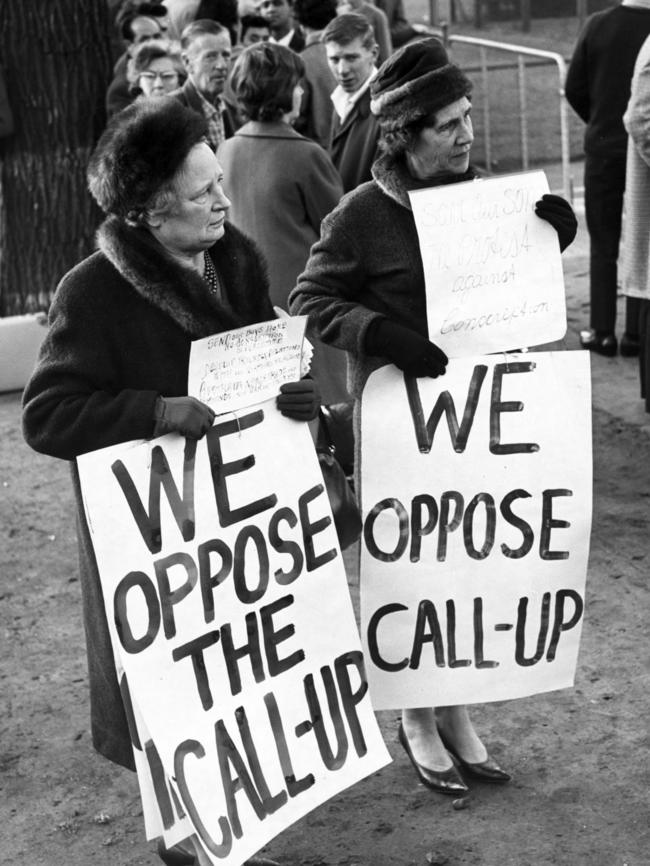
point(230, 614)
point(477, 496)
point(492, 267)
point(238, 368)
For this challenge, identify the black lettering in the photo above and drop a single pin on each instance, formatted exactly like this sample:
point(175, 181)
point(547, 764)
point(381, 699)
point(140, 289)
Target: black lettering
point(332, 760)
point(195, 649)
point(520, 632)
point(220, 849)
point(283, 545)
point(559, 625)
point(128, 640)
point(480, 661)
point(162, 793)
point(233, 654)
point(519, 523)
point(241, 569)
point(425, 431)
point(549, 523)
point(490, 525)
point(373, 644)
point(229, 756)
point(309, 529)
point(272, 637)
point(220, 470)
point(209, 581)
point(169, 597)
point(271, 803)
point(419, 529)
point(446, 525)
point(294, 786)
point(497, 406)
point(351, 699)
point(368, 530)
point(427, 630)
point(451, 638)
point(148, 522)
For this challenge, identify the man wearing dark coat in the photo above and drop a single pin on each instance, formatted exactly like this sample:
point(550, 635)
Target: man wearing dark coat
point(206, 50)
point(351, 53)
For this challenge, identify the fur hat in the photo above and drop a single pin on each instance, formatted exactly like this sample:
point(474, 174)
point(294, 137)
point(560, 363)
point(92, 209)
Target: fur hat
point(140, 151)
point(416, 81)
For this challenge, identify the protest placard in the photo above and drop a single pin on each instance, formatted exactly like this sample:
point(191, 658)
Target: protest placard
point(234, 369)
point(492, 267)
point(229, 610)
point(477, 495)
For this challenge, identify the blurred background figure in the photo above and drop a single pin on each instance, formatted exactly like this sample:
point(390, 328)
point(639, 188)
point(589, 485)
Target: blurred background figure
point(290, 183)
point(318, 83)
point(184, 12)
point(598, 88)
point(377, 20)
point(635, 247)
point(284, 30)
point(401, 29)
point(352, 53)
point(206, 50)
point(155, 69)
point(136, 23)
point(252, 29)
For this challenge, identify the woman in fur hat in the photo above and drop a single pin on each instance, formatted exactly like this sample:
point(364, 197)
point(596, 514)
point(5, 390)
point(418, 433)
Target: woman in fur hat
point(364, 291)
point(114, 364)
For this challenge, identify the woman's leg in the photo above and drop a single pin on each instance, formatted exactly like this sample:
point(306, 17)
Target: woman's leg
point(424, 740)
point(458, 731)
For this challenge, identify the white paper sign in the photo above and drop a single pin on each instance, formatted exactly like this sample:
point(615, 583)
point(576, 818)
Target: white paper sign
point(235, 369)
point(228, 604)
point(477, 497)
point(492, 267)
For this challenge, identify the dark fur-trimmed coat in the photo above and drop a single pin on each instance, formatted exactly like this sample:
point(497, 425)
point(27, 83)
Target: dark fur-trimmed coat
point(121, 325)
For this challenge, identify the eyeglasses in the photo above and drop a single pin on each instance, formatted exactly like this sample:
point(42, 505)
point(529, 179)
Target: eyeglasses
point(166, 77)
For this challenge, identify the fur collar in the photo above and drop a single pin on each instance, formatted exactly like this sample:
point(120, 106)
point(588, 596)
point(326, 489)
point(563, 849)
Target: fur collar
point(179, 291)
point(394, 180)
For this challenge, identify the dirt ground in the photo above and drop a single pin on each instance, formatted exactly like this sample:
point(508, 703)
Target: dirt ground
point(580, 757)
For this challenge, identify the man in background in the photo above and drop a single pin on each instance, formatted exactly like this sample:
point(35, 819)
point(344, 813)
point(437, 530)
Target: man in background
point(351, 53)
point(279, 16)
point(598, 88)
point(315, 117)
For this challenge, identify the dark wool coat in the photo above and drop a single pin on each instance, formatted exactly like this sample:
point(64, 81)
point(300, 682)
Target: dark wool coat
point(121, 324)
point(353, 143)
point(367, 264)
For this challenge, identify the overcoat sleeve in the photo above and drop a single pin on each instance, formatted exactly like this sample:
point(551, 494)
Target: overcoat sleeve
point(576, 86)
point(637, 116)
point(74, 402)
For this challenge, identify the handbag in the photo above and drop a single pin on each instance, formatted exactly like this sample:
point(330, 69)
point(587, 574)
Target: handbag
point(345, 510)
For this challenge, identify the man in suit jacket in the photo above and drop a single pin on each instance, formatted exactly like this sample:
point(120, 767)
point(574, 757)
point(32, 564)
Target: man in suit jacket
point(315, 118)
point(351, 53)
point(205, 51)
point(279, 16)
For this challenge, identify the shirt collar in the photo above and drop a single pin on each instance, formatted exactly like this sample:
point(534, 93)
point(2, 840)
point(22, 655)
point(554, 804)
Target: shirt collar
point(344, 102)
point(285, 40)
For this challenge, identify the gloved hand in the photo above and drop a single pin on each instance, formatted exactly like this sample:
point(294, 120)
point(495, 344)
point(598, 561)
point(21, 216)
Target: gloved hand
point(299, 400)
point(407, 349)
point(559, 213)
point(184, 415)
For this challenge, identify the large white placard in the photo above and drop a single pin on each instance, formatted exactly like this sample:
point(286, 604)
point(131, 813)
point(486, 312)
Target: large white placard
point(492, 267)
point(477, 496)
point(229, 609)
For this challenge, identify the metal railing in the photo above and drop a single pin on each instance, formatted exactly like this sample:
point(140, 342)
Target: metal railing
point(522, 52)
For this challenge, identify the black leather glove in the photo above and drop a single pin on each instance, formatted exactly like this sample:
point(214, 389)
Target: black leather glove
point(184, 415)
point(299, 400)
point(407, 349)
point(559, 213)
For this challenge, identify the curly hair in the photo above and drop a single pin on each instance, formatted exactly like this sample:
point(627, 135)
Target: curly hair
point(263, 80)
point(147, 52)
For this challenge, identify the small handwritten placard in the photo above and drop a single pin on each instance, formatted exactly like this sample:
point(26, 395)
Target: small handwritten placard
point(235, 369)
point(492, 267)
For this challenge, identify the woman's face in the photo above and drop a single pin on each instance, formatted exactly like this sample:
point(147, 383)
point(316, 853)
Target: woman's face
point(195, 219)
point(443, 147)
point(159, 78)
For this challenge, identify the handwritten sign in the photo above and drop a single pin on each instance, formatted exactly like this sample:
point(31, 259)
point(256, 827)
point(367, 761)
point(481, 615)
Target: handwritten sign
point(492, 267)
point(475, 541)
point(237, 368)
point(230, 615)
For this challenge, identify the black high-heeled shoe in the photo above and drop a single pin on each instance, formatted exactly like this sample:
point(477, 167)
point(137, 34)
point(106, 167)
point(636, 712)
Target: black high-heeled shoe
point(444, 781)
point(602, 344)
point(489, 769)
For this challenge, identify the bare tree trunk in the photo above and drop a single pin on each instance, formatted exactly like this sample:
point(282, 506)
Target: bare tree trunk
point(57, 66)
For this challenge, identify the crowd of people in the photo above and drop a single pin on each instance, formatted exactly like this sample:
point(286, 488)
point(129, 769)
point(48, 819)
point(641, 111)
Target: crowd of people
point(257, 156)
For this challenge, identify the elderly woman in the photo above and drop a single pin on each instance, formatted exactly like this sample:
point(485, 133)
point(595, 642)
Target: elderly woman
point(364, 291)
point(155, 69)
point(114, 364)
point(291, 181)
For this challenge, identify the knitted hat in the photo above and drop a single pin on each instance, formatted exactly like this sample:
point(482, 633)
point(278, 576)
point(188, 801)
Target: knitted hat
point(140, 151)
point(417, 80)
